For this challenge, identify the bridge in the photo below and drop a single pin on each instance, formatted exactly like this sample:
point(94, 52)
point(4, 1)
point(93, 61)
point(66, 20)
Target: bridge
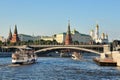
point(65, 47)
point(87, 48)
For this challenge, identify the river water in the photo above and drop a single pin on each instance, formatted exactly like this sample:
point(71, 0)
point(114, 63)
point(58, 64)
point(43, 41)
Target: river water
point(51, 68)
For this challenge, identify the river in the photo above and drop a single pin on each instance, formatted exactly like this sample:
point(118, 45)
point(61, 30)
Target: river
point(53, 68)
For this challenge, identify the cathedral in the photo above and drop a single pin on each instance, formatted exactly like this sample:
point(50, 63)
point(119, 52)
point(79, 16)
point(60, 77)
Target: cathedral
point(103, 39)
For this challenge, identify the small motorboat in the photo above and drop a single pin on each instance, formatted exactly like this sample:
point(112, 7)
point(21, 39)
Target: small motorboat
point(76, 56)
point(24, 55)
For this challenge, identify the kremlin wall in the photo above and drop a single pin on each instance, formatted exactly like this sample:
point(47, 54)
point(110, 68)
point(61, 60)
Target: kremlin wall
point(66, 38)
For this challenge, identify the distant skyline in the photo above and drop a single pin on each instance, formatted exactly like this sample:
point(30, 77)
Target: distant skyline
point(48, 17)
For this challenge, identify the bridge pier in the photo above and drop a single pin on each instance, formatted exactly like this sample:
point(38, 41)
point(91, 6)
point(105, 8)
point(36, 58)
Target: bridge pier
point(107, 48)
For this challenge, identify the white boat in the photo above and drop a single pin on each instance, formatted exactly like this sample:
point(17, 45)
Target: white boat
point(76, 56)
point(24, 55)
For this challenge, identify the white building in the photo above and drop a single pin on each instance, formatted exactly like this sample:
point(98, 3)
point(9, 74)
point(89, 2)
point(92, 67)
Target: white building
point(97, 38)
point(2, 39)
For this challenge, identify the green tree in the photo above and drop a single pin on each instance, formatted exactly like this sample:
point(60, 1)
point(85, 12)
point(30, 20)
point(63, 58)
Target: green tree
point(30, 42)
point(76, 42)
point(54, 42)
point(42, 42)
point(0, 43)
point(48, 42)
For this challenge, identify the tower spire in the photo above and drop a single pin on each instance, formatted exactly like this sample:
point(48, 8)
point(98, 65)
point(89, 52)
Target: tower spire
point(15, 31)
point(68, 27)
point(10, 35)
point(97, 32)
point(68, 39)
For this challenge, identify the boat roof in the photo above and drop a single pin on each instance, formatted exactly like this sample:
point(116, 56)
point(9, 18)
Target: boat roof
point(25, 48)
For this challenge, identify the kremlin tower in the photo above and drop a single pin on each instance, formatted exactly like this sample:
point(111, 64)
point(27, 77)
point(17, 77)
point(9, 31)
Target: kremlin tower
point(68, 39)
point(15, 37)
point(10, 36)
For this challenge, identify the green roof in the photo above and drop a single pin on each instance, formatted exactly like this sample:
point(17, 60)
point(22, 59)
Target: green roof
point(25, 35)
point(84, 34)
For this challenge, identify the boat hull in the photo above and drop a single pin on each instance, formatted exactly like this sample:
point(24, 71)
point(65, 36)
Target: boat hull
point(24, 61)
point(105, 62)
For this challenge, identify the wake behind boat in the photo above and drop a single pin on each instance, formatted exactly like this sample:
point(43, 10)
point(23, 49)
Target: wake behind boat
point(24, 55)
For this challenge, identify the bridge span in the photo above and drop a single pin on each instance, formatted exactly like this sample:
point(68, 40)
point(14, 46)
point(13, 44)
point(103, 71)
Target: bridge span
point(88, 48)
point(64, 47)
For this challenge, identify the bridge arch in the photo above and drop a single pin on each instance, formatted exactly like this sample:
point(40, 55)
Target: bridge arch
point(64, 47)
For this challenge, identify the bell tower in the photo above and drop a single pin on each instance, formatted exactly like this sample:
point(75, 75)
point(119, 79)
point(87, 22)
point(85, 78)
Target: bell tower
point(97, 32)
point(9, 36)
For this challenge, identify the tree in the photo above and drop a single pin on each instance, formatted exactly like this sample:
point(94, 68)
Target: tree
point(42, 42)
point(55, 42)
point(76, 42)
point(0, 43)
point(30, 42)
point(48, 42)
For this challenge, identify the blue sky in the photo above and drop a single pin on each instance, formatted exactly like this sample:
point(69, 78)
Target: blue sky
point(48, 17)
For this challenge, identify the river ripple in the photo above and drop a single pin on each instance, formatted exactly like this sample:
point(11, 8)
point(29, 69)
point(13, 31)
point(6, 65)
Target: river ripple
point(48, 68)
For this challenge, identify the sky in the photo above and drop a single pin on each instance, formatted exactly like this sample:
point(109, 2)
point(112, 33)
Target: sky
point(49, 17)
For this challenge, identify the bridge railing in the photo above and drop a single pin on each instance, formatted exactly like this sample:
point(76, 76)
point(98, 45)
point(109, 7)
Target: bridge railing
point(67, 45)
point(98, 48)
